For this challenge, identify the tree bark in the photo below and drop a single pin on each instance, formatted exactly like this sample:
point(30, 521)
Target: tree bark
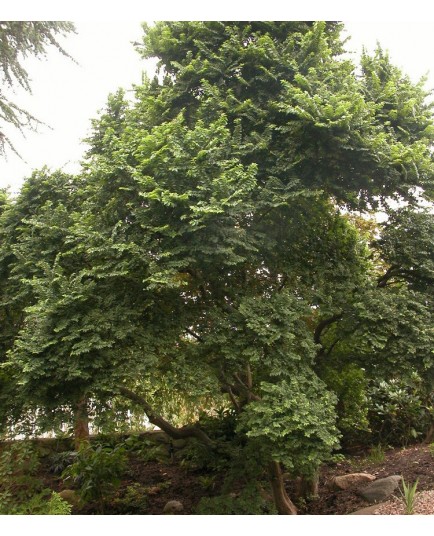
point(81, 423)
point(283, 503)
point(429, 438)
point(307, 487)
point(173, 432)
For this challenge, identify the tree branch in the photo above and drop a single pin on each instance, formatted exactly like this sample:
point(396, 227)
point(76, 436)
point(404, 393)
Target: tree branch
point(158, 420)
point(283, 283)
point(195, 335)
point(329, 350)
point(250, 395)
point(382, 281)
point(228, 389)
point(323, 324)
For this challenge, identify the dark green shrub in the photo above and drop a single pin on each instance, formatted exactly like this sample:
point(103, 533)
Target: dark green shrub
point(398, 413)
point(221, 428)
point(18, 481)
point(350, 385)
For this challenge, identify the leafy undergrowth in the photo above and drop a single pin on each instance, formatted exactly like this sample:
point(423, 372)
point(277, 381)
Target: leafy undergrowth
point(150, 478)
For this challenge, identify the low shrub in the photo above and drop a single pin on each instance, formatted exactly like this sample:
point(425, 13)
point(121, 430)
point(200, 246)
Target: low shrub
point(22, 492)
point(249, 501)
point(96, 472)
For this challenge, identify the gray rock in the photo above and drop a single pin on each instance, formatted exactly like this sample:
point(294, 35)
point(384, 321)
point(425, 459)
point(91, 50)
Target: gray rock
point(380, 489)
point(351, 480)
point(173, 507)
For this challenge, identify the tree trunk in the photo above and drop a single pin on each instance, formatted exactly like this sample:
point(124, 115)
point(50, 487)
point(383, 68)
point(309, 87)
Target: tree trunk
point(81, 423)
point(283, 503)
point(429, 438)
point(307, 487)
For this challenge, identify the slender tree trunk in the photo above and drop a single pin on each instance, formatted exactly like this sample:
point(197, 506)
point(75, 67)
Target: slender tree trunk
point(81, 423)
point(429, 438)
point(283, 503)
point(307, 487)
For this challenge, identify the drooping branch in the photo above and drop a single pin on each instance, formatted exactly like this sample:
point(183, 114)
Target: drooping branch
point(156, 419)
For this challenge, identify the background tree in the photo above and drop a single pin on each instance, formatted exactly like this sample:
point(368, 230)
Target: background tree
point(19, 40)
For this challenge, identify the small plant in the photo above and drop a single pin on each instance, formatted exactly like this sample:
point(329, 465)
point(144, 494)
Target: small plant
point(207, 482)
point(96, 472)
point(376, 454)
point(158, 488)
point(431, 449)
point(59, 461)
point(408, 493)
point(133, 500)
point(46, 503)
point(57, 506)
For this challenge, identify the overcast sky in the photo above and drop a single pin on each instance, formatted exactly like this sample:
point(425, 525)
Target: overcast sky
point(66, 95)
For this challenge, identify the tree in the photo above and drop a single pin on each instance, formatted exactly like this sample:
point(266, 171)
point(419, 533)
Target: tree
point(211, 245)
point(18, 40)
point(33, 231)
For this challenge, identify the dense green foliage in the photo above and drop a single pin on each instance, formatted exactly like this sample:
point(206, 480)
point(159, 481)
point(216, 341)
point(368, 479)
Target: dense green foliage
point(211, 254)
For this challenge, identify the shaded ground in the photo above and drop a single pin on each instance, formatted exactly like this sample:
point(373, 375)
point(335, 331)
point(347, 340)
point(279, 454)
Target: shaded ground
point(159, 483)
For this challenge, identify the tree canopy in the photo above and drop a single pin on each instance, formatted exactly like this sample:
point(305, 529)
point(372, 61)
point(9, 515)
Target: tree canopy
point(212, 248)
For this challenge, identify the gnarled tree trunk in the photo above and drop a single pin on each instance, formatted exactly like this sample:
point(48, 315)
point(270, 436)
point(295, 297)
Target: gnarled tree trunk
point(283, 503)
point(173, 432)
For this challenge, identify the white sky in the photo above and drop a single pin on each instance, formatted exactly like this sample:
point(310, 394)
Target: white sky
point(66, 95)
